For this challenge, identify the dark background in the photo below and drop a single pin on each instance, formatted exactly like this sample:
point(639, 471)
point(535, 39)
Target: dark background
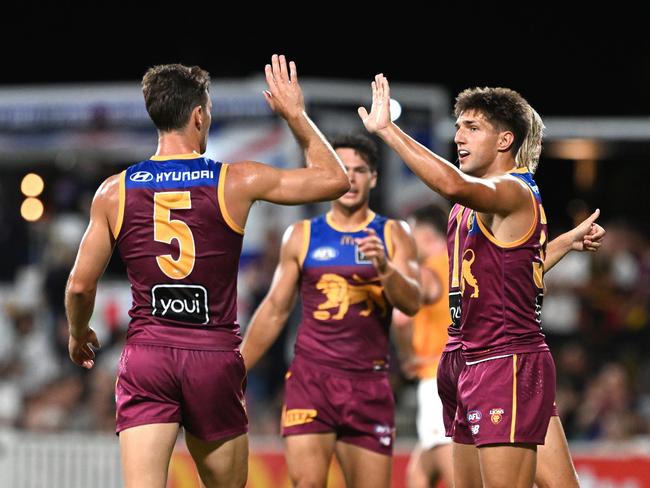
point(571, 59)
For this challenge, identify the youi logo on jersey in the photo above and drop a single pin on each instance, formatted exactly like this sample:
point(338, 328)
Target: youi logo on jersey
point(185, 303)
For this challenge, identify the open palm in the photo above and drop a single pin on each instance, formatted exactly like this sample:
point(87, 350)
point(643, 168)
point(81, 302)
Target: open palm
point(379, 116)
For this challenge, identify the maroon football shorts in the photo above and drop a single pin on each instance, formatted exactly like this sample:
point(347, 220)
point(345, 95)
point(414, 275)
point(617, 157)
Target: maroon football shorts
point(449, 368)
point(201, 390)
point(506, 400)
point(358, 407)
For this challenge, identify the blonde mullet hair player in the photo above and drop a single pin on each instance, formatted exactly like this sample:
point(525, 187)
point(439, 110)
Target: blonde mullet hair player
point(554, 465)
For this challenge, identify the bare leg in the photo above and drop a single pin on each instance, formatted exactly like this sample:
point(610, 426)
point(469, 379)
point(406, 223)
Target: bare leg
point(467, 470)
point(364, 468)
point(554, 465)
point(308, 458)
point(222, 463)
point(437, 463)
point(416, 477)
point(145, 452)
point(508, 465)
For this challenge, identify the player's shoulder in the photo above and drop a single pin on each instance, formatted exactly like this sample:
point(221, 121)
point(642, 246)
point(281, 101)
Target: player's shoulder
point(399, 228)
point(295, 236)
point(245, 169)
point(110, 187)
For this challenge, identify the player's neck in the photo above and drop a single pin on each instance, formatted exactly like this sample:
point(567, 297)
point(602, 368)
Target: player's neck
point(504, 163)
point(170, 143)
point(349, 219)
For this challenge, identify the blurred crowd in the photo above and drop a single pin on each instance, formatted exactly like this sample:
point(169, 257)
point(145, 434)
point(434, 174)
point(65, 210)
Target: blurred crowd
point(595, 315)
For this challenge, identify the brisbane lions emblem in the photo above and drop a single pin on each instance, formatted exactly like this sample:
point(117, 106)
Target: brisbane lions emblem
point(466, 274)
point(496, 415)
point(341, 294)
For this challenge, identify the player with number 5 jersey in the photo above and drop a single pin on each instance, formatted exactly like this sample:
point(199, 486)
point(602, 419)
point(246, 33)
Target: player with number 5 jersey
point(178, 220)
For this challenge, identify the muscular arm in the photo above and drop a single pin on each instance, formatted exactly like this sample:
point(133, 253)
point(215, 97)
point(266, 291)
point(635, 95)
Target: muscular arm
point(271, 316)
point(94, 253)
point(586, 236)
point(501, 195)
point(400, 280)
point(323, 178)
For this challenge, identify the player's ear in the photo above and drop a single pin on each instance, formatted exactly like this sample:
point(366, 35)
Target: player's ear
point(373, 178)
point(197, 117)
point(505, 140)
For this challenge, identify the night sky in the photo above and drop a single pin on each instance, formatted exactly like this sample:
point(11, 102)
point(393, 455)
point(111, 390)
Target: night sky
point(564, 63)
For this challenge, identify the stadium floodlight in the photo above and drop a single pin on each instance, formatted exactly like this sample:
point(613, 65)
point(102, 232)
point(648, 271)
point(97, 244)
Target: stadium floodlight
point(32, 185)
point(31, 209)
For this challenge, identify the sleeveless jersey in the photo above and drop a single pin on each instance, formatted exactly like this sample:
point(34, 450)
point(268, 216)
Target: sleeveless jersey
point(181, 250)
point(345, 315)
point(498, 286)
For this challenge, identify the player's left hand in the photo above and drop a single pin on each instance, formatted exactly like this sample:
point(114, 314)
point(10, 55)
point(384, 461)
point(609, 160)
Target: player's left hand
point(373, 248)
point(588, 235)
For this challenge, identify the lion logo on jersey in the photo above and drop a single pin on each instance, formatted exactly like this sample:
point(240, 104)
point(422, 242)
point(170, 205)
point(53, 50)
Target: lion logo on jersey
point(341, 294)
point(466, 274)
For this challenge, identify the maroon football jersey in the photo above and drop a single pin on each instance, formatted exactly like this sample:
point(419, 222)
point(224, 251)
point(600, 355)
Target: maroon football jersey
point(181, 250)
point(345, 315)
point(498, 286)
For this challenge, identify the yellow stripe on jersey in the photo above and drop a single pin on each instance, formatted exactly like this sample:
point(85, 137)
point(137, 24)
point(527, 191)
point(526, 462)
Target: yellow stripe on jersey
point(332, 224)
point(514, 398)
point(306, 235)
point(169, 157)
point(120, 207)
point(388, 237)
point(518, 242)
point(222, 200)
point(455, 276)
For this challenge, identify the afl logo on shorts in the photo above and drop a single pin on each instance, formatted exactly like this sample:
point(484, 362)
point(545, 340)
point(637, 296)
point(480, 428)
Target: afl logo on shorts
point(141, 176)
point(183, 303)
point(325, 253)
point(474, 416)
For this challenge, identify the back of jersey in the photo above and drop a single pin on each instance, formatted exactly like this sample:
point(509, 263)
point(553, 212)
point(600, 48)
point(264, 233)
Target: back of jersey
point(181, 250)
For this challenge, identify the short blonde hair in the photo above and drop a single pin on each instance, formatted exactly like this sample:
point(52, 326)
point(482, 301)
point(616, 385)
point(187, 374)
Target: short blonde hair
point(531, 148)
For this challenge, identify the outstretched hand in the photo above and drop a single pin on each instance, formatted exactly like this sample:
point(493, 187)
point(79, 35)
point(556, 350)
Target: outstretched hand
point(588, 235)
point(284, 94)
point(379, 116)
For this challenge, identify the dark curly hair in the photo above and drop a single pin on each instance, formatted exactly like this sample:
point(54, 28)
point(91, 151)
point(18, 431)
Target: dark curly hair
point(504, 108)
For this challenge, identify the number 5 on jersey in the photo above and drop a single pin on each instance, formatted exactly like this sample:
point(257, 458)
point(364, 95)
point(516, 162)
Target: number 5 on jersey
point(166, 229)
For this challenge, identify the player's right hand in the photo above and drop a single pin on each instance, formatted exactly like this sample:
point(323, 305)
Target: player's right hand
point(379, 116)
point(284, 95)
point(80, 350)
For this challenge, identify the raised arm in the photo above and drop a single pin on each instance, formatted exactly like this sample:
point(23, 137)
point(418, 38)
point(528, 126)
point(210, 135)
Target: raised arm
point(501, 195)
point(398, 274)
point(586, 236)
point(94, 253)
point(271, 316)
point(323, 178)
